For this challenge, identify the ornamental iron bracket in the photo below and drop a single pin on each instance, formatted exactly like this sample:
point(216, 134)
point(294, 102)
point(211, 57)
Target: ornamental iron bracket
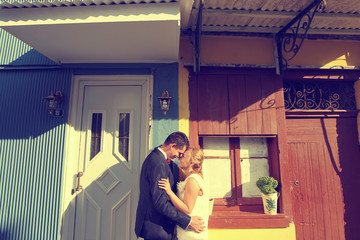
point(289, 39)
point(197, 36)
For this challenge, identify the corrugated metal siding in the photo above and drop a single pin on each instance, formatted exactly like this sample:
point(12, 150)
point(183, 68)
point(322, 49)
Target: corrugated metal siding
point(31, 154)
point(62, 3)
point(15, 52)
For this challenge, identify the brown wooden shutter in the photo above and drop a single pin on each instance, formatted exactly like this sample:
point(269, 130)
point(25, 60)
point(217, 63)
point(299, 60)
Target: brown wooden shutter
point(252, 104)
point(231, 103)
point(213, 108)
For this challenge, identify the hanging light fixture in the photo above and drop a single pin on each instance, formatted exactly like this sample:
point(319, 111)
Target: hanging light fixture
point(165, 101)
point(53, 102)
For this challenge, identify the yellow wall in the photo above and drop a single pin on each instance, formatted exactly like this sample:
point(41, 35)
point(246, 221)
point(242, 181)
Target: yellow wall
point(183, 100)
point(328, 54)
point(253, 234)
point(241, 51)
point(260, 51)
point(229, 50)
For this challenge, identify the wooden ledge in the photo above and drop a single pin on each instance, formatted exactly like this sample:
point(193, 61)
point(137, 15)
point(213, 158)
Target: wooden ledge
point(246, 220)
point(321, 113)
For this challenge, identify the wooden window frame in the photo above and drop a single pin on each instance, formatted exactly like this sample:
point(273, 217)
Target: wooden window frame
point(233, 211)
point(253, 204)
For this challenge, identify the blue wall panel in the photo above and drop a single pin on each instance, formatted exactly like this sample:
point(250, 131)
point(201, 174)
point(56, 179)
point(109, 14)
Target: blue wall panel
point(166, 77)
point(31, 153)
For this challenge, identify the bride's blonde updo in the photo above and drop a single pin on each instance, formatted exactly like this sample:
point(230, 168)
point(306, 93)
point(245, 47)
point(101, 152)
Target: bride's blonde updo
point(197, 159)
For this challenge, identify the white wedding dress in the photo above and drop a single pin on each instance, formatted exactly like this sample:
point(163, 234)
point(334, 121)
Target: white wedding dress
point(201, 209)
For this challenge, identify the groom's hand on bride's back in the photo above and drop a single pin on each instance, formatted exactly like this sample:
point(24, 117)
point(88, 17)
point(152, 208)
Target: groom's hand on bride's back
point(197, 224)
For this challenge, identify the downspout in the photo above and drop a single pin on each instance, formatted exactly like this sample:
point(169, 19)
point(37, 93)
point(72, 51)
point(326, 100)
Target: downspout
point(357, 99)
point(197, 37)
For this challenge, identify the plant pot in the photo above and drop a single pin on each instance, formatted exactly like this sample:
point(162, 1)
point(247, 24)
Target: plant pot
point(270, 203)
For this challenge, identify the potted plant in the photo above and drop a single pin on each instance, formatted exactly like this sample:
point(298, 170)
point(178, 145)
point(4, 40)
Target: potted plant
point(267, 186)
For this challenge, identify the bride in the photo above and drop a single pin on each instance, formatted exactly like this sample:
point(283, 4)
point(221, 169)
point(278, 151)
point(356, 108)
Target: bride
point(192, 193)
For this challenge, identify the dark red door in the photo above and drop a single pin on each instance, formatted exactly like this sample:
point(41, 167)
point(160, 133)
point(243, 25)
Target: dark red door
point(325, 161)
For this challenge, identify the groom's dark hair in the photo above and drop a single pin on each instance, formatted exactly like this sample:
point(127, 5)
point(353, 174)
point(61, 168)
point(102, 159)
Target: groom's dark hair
point(179, 138)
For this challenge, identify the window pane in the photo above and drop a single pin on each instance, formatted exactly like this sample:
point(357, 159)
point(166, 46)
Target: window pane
point(251, 170)
point(216, 147)
point(253, 163)
point(218, 163)
point(253, 147)
point(95, 134)
point(220, 177)
point(124, 122)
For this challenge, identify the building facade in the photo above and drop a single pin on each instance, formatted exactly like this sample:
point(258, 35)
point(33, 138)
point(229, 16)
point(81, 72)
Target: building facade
point(79, 111)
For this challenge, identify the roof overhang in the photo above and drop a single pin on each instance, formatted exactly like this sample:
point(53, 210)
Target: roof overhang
point(335, 20)
point(105, 33)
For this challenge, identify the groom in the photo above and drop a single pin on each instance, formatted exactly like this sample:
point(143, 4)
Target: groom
point(156, 217)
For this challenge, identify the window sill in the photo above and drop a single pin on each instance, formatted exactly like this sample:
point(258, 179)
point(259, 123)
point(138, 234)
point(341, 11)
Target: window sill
point(321, 113)
point(239, 220)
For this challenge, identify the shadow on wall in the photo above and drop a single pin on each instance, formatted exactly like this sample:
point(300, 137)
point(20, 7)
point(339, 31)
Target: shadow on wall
point(5, 232)
point(349, 159)
point(14, 52)
point(24, 82)
point(32, 58)
point(345, 159)
point(3, 235)
point(31, 152)
point(23, 110)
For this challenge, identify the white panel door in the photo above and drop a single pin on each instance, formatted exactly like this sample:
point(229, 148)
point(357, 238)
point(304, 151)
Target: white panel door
point(109, 161)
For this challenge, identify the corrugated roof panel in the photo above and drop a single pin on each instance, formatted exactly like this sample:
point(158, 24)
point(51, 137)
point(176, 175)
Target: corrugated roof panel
point(336, 6)
point(258, 14)
point(228, 20)
point(343, 6)
point(269, 22)
point(272, 15)
point(283, 5)
point(272, 5)
point(62, 3)
point(328, 23)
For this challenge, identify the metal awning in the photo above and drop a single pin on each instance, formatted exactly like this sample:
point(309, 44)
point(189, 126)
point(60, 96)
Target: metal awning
point(286, 21)
point(88, 31)
point(340, 19)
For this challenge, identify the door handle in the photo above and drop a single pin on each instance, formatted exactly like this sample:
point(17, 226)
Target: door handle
point(79, 175)
point(296, 182)
point(79, 187)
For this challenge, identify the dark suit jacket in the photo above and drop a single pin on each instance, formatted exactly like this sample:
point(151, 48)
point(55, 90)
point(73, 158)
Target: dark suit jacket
point(156, 216)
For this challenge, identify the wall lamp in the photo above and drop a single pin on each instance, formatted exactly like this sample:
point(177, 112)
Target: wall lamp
point(53, 102)
point(165, 101)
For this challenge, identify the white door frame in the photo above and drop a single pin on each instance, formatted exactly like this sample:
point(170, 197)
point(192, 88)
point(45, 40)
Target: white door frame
point(72, 148)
